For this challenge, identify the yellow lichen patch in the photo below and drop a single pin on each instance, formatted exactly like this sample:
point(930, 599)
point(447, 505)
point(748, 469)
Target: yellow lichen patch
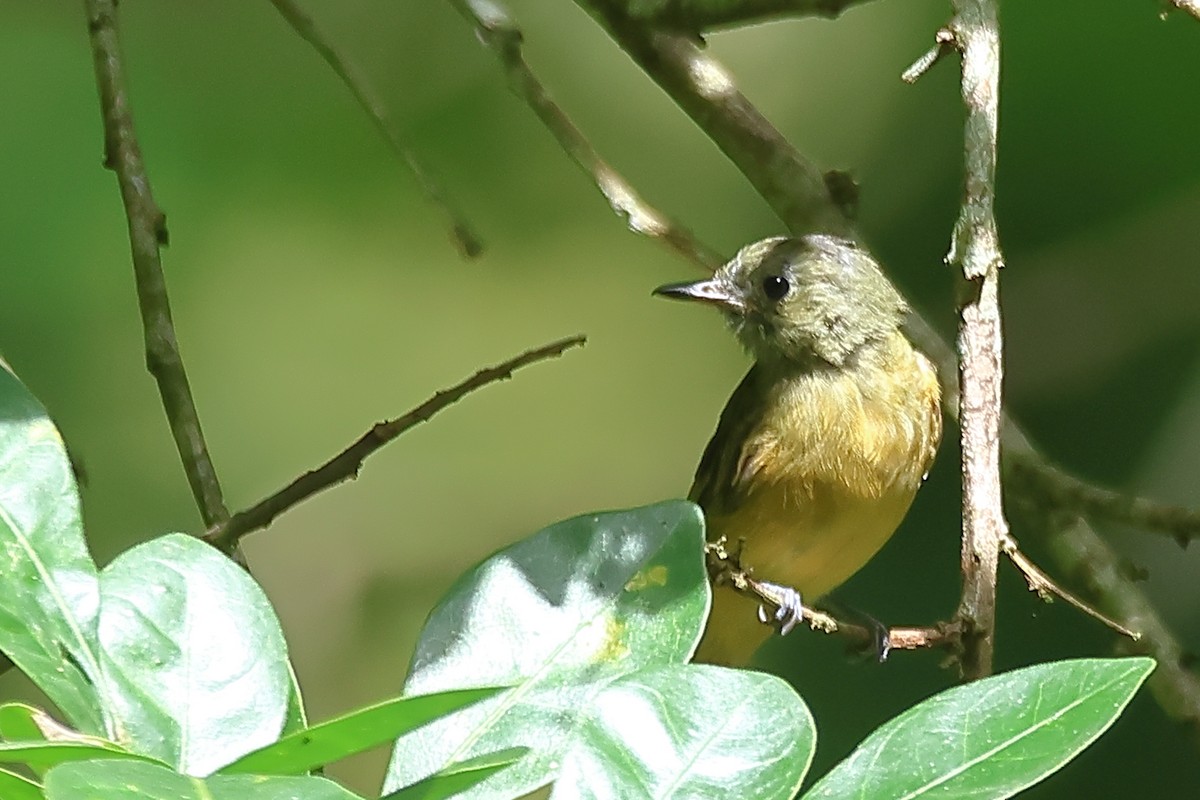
point(613, 647)
point(655, 576)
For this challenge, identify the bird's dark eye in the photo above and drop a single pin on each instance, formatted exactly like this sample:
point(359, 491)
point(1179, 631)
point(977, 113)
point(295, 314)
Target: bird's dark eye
point(775, 287)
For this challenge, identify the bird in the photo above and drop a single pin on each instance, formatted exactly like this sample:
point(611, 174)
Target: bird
point(821, 448)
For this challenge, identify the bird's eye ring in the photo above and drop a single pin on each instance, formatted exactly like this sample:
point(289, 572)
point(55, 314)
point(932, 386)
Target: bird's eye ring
point(775, 287)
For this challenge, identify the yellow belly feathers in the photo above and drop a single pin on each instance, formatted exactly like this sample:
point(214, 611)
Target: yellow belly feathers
point(830, 477)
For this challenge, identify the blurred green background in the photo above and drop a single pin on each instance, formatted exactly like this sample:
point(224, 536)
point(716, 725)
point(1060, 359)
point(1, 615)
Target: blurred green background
point(315, 292)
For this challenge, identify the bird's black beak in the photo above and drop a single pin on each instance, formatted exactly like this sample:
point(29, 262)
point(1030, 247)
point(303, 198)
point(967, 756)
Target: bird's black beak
point(713, 291)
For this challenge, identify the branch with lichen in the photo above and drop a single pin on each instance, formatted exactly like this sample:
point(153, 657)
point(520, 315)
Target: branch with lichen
point(147, 233)
point(465, 238)
point(975, 250)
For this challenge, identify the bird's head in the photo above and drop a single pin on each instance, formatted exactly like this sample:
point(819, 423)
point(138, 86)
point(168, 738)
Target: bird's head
point(815, 298)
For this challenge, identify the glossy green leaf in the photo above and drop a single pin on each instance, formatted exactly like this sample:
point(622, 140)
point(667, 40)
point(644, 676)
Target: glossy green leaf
point(690, 731)
point(17, 787)
point(360, 730)
point(194, 652)
point(49, 596)
point(458, 778)
point(557, 616)
point(991, 738)
point(128, 780)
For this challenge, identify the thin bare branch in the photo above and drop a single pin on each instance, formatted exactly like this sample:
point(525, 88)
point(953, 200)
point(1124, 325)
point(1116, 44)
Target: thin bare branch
point(147, 233)
point(943, 44)
point(702, 15)
point(1043, 483)
point(465, 238)
point(496, 29)
point(1047, 589)
point(725, 569)
point(346, 464)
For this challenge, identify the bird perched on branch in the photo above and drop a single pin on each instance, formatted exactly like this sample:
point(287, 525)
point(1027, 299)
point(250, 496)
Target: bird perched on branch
point(822, 446)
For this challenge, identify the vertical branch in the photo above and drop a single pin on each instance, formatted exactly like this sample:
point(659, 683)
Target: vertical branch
point(147, 232)
point(975, 250)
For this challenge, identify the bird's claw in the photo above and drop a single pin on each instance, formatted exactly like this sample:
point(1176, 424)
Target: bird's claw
point(881, 639)
point(789, 610)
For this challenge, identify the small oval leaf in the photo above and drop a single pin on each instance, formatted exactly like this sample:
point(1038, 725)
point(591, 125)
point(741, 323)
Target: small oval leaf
point(194, 653)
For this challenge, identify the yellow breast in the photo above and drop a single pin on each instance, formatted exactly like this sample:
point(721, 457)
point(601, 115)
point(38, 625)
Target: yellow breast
point(832, 465)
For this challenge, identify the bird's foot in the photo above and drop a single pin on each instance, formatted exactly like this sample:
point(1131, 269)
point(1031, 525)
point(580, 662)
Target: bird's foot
point(789, 610)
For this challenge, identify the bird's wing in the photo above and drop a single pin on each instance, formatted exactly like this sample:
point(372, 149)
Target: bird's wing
point(729, 462)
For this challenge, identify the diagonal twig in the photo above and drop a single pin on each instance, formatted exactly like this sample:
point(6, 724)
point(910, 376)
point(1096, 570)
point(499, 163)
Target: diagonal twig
point(496, 29)
point(346, 464)
point(147, 233)
point(1047, 589)
point(791, 184)
point(465, 238)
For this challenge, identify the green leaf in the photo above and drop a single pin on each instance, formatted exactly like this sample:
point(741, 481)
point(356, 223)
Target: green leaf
point(557, 616)
point(128, 780)
point(296, 718)
point(53, 753)
point(49, 596)
point(16, 787)
point(691, 731)
point(194, 652)
point(991, 738)
point(18, 721)
point(24, 723)
point(458, 778)
point(360, 730)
